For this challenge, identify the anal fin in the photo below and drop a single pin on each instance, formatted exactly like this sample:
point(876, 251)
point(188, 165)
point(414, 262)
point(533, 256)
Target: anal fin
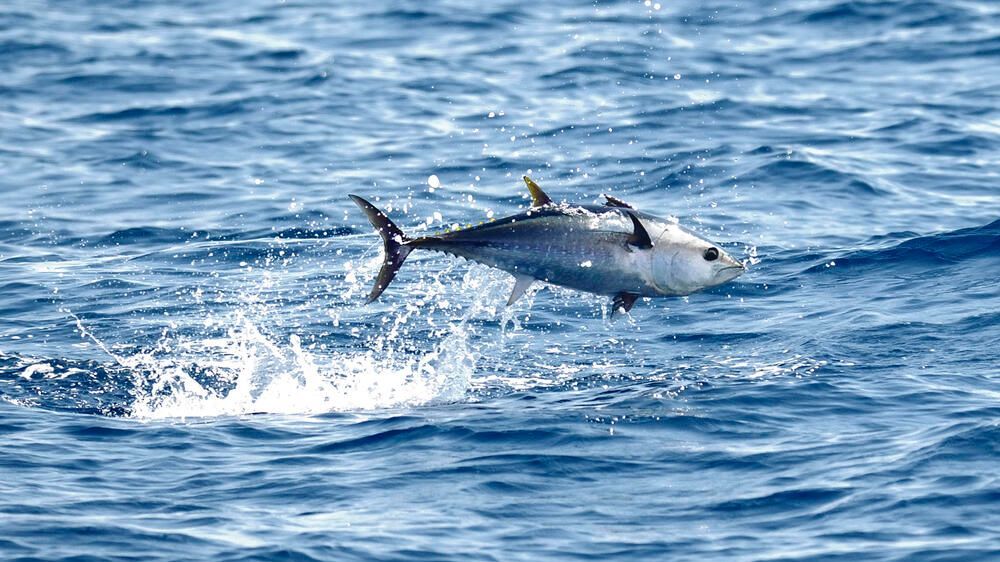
point(521, 284)
point(623, 301)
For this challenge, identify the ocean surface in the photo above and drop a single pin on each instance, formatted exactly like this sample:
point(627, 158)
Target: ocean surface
point(188, 371)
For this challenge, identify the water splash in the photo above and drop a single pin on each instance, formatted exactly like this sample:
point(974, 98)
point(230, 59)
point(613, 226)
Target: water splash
point(250, 372)
point(237, 363)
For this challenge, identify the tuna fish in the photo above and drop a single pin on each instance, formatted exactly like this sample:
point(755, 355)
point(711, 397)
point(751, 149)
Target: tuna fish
point(611, 249)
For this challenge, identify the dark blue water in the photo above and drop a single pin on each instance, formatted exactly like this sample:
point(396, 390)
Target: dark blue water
point(187, 371)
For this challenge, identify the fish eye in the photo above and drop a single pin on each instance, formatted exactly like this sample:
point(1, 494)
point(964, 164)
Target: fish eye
point(711, 254)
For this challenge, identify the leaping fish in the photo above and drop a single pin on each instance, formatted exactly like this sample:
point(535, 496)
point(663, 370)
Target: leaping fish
point(611, 249)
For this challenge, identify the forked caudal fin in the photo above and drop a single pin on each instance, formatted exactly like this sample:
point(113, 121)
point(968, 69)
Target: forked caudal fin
point(394, 242)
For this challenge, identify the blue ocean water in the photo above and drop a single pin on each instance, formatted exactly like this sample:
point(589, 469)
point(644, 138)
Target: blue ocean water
point(187, 371)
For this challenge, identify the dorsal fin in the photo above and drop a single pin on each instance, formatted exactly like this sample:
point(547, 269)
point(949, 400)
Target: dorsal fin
point(538, 197)
point(615, 202)
point(639, 238)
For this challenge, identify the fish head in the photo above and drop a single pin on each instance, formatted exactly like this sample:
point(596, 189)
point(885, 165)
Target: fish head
point(683, 263)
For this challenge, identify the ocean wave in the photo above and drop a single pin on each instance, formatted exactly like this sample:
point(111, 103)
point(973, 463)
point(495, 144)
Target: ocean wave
point(946, 248)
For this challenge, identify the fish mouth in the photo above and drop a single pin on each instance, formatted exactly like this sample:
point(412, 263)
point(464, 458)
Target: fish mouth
point(733, 263)
point(729, 272)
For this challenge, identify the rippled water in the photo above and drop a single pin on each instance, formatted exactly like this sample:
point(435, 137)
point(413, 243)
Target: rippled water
point(187, 371)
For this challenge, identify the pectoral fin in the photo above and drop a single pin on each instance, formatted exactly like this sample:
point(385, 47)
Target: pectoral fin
point(639, 238)
point(521, 284)
point(623, 301)
point(538, 197)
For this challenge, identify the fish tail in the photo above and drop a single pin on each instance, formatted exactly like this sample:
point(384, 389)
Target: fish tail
point(396, 246)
